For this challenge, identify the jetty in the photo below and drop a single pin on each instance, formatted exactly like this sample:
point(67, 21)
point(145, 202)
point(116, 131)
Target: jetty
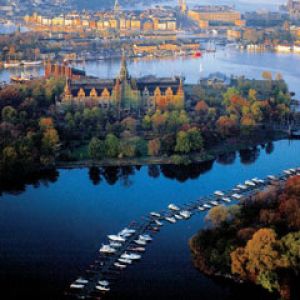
point(99, 277)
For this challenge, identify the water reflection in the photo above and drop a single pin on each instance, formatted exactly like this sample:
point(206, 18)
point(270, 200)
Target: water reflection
point(124, 175)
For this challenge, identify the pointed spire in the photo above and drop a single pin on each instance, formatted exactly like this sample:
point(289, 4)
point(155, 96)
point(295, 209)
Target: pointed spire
point(123, 71)
point(117, 6)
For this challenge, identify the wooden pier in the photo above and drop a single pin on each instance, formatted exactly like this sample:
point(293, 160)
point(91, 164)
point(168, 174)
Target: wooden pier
point(103, 267)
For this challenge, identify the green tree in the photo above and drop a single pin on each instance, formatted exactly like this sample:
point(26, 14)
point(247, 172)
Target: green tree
point(182, 142)
point(112, 145)
point(96, 149)
point(195, 138)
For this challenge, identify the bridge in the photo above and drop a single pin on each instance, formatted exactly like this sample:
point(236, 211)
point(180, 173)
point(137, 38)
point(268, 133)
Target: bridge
point(103, 267)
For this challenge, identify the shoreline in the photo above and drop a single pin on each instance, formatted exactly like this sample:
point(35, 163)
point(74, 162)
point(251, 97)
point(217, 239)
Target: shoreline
point(223, 148)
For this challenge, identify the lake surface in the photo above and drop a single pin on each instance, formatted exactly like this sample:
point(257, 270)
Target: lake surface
point(51, 230)
point(228, 61)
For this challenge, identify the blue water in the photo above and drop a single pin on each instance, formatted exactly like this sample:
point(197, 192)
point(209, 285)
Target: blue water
point(51, 232)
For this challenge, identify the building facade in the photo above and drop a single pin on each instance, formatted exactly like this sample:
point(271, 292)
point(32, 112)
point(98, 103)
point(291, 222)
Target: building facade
point(124, 92)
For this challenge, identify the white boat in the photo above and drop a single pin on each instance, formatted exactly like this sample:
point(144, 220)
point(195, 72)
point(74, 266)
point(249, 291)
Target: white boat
point(178, 217)
point(137, 249)
point(214, 203)
point(81, 281)
point(140, 242)
point(250, 183)
point(171, 219)
point(102, 288)
point(158, 223)
point(185, 214)
point(103, 282)
point(173, 207)
point(242, 187)
point(131, 256)
point(120, 266)
point(155, 214)
point(258, 181)
point(125, 261)
point(236, 190)
point(115, 244)
point(236, 196)
point(287, 172)
point(76, 286)
point(32, 63)
point(219, 193)
point(107, 249)
point(226, 199)
point(292, 170)
point(201, 208)
point(145, 237)
point(206, 205)
point(126, 232)
point(116, 238)
point(11, 64)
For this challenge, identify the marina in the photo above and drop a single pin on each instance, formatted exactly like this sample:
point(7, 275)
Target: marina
point(109, 264)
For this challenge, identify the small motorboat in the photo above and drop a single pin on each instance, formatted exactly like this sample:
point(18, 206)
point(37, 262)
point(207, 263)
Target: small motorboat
point(287, 172)
point(145, 237)
point(155, 214)
point(293, 170)
point(201, 208)
point(171, 220)
point(81, 281)
point(257, 181)
point(250, 183)
point(125, 261)
point(178, 217)
point(242, 187)
point(76, 286)
point(103, 282)
point(115, 244)
point(272, 177)
point(120, 266)
point(219, 193)
point(173, 207)
point(206, 205)
point(236, 196)
point(158, 223)
point(102, 288)
point(185, 214)
point(140, 242)
point(214, 203)
point(116, 238)
point(226, 199)
point(107, 249)
point(131, 256)
point(137, 249)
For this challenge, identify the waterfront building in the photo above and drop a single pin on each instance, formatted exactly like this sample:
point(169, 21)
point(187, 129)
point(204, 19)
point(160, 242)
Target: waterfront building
point(215, 15)
point(124, 92)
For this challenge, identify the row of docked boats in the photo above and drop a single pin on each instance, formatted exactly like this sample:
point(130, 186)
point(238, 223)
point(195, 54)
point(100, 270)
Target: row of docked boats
point(128, 244)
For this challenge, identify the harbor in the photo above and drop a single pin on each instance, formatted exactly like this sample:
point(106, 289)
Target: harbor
point(122, 250)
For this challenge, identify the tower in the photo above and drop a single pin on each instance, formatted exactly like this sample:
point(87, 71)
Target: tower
point(116, 6)
point(123, 71)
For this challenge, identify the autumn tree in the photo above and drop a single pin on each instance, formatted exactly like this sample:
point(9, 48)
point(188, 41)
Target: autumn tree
point(217, 215)
point(154, 147)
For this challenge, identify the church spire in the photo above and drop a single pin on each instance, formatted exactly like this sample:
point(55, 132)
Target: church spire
point(116, 6)
point(123, 71)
